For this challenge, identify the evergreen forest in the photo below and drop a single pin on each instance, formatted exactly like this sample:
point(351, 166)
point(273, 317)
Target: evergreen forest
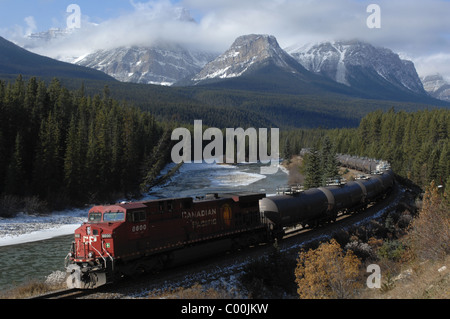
point(68, 148)
point(415, 143)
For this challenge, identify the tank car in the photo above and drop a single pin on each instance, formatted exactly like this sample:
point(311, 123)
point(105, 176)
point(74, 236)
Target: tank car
point(371, 186)
point(376, 185)
point(127, 238)
point(387, 177)
point(303, 208)
point(363, 164)
point(347, 197)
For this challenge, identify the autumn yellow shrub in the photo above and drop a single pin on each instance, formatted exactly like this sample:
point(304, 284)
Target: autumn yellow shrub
point(429, 233)
point(327, 272)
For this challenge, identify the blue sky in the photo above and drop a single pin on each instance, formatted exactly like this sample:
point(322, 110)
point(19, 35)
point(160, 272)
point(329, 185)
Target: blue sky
point(416, 29)
point(52, 13)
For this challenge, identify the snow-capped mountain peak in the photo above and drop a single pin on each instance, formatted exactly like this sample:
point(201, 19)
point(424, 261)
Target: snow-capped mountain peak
point(347, 62)
point(437, 87)
point(161, 64)
point(246, 52)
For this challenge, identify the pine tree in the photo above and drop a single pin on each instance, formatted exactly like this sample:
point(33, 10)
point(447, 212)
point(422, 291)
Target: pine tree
point(287, 149)
point(330, 164)
point(444, 163)
point(91, 164)
point(48, 164)
point(72, 161)
point(3, 162)
point(313, 169)
point(15, 176)
point(131, 164)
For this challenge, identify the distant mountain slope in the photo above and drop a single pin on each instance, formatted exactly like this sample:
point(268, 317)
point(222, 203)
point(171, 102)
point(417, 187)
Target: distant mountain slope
point(437, 87)
point(161, 64)
point(15, 60)
point(377, 72)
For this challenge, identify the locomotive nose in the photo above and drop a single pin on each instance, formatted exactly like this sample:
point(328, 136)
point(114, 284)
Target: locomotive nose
point(88, 244)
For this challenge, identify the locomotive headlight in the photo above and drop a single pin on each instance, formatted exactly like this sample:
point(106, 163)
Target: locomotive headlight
point(91, 254)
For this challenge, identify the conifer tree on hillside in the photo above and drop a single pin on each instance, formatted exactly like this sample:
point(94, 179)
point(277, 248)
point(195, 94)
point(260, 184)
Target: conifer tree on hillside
point(416, 144)
point(56, 143)
point(15, 176)
point(313, 169)
point(330, 164)
point(320, 166)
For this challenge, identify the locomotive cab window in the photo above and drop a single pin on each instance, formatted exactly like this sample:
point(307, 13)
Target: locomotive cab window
point(113, 216)
point(95, 217)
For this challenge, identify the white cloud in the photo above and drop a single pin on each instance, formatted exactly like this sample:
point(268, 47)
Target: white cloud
point(419, 28)
point(434, 64)
point(31, 25)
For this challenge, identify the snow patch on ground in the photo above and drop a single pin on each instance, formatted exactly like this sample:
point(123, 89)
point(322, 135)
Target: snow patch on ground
point(28, 228)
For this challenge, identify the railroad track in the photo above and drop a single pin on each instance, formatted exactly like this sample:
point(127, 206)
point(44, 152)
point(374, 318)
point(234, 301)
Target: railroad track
point(65, 294)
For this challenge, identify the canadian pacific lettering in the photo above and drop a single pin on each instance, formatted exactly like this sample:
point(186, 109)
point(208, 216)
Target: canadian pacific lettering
point(198, 219)
point(200, 213)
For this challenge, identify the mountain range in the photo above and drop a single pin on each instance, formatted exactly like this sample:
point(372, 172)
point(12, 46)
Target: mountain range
point(255, 82)
point(357, 68)
point(257, 63)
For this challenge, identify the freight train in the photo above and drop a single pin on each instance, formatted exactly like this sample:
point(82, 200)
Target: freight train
point(133, 237)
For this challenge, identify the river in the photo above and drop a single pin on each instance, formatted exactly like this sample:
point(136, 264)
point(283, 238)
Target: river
point(37, 260)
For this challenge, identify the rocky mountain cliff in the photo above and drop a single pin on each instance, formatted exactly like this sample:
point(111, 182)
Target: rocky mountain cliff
point(247, 53)
point(437, 87)
point(359, 65)
point(161, 64)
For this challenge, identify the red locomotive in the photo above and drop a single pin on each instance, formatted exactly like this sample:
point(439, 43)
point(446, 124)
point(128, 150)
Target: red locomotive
point(128, 238)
